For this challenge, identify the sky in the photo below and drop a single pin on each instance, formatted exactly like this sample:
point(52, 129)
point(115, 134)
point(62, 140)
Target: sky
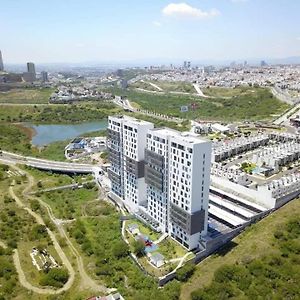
point(81, 31)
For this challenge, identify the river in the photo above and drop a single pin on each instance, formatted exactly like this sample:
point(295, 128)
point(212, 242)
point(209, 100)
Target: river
point(45, 134)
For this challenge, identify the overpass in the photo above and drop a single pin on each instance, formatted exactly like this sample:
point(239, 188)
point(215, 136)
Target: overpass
point(48, 165)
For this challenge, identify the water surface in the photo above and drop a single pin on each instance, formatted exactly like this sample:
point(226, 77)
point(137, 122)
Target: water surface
point(49, 133)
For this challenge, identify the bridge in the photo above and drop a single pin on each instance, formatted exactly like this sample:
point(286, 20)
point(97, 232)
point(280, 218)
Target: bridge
point(48, 165)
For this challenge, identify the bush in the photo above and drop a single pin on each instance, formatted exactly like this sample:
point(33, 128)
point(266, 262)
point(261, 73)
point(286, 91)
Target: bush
point(138, 247)
point(120, 249)
point(55, 277)
point(185, 272)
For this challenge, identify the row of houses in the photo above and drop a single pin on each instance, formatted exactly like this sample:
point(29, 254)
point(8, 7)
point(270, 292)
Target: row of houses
point(232, 174)
point(276, 156)
point(230, 148)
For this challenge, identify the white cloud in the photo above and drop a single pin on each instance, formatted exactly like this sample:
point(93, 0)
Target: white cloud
point(156, 23)
point(184, 10)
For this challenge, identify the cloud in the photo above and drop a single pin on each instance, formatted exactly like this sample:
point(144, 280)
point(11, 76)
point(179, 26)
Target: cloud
point(156, 23)
point(239, 1)
point(184, 10)
point(298, 38)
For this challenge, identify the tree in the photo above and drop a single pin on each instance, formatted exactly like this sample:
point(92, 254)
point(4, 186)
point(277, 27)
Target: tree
point(120, 249)
point(185, 272)
point(138, 247)
point(39, 184)
point(55, 277)
point(35, 205)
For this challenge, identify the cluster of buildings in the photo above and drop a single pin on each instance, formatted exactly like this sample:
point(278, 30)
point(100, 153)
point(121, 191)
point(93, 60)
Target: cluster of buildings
point(67, 94)
point(288, 186)
point(283, 76)
point(277, 156)
point(80, 147)
point(29, 76)
point(232, 173)
point(230, 148)
point(174, 182)
point(162, 176)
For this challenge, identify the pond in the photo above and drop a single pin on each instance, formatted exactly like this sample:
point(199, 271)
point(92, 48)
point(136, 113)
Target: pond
point(49, 133)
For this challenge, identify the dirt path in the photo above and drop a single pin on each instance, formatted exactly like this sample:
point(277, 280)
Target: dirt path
point(86, 281)
point(3, 245)
point(57, 247)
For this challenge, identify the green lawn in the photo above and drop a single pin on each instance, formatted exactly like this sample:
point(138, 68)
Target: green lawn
point(26, 95)
point(256, 247)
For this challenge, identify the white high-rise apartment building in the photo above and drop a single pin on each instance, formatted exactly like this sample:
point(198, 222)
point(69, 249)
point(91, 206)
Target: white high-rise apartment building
point(162, 173)
point(189, 181)
point(177, 174)
point(126, 143)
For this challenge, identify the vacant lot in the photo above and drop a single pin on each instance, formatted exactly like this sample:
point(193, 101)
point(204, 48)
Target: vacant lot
point(259, 104)
point(221, 92)
point(254, 247)
point(56, 114)
point(175, 86)
point(26, 95)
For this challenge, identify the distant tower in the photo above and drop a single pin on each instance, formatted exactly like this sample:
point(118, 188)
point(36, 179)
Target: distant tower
point(44, 76)
point(263, 63)
point(188, 64)
point(30, 67)
point(31, 71)
point(185, 64)
point(1, 62)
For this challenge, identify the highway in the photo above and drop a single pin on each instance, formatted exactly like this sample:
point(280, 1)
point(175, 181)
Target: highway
point(48, 165)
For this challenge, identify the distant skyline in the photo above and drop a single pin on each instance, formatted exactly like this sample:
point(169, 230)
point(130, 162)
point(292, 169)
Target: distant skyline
point(76, 31)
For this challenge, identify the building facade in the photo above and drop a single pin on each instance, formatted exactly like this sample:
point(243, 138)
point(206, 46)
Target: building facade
point(162, 176)
point(126, 144)
point(1, 62)
point(30, 75)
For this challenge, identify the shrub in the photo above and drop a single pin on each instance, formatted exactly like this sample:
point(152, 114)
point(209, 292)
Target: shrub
point(185, 272)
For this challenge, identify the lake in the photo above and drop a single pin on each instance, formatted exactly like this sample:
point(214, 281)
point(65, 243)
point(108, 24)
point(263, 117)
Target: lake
point(49, 133)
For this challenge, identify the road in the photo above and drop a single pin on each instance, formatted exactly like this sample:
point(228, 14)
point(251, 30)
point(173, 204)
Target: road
point(200, 93)
point(284, 96)
point(45, 164)
point(155, 86)
point(284, 119)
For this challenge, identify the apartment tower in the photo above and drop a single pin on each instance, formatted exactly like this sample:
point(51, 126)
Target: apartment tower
point(162, 176)
point(1, 62)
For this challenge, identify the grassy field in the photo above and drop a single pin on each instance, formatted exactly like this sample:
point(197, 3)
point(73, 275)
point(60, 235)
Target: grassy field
point(68, 204)
point(56, 114)
point(252, 245)
point(183, 126)
point(16, 139)
point(143, 85)
point(107, 258)
point(26, 95)
point(221, 92)
point(243, 104)
point(175, 86)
